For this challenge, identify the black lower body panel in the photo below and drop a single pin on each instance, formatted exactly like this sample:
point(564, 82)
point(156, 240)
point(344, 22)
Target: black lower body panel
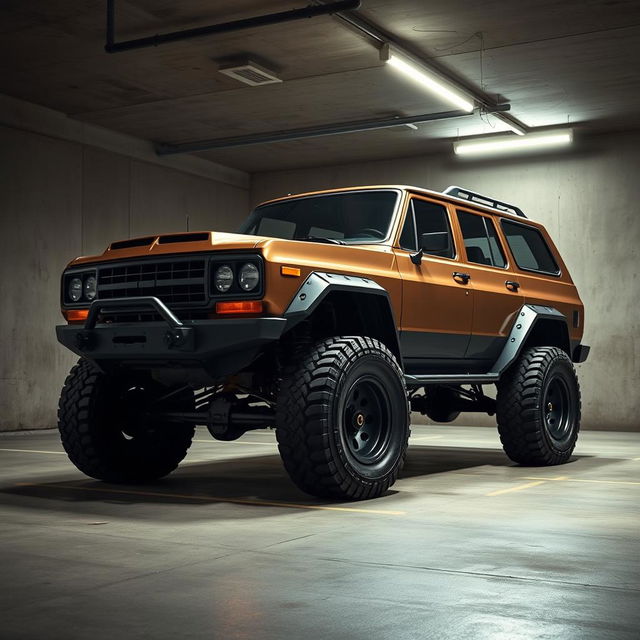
point(431, 352)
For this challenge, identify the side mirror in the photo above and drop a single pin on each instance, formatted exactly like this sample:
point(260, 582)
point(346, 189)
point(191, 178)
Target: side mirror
point(437, 242)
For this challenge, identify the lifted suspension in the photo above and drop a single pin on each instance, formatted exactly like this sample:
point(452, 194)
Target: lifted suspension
point(226, 416)
point(445, 399)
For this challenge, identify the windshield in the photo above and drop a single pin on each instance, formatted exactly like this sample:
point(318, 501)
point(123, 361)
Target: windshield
point(349, 217)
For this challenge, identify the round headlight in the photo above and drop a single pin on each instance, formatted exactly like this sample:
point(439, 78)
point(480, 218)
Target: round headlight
point(223, 278)
point(90, 287)
point(249, 277)
point(75, 289)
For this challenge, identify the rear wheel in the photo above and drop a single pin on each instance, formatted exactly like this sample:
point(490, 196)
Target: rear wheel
point(342, 419)
point(106, 432)
point(538, 408)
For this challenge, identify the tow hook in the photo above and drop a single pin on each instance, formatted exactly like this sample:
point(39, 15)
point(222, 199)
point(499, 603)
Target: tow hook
point(85, 340)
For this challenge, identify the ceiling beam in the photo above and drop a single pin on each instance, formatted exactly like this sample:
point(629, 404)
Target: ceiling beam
point(164, 148)
point(36, 119)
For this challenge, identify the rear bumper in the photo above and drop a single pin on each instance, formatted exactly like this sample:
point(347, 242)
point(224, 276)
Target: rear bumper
point(221, 347)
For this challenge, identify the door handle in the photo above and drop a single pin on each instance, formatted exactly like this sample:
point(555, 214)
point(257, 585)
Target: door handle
point(512, 285)
point(461, 278)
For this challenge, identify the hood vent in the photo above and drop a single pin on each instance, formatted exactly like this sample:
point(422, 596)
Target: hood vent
point(250, 73)
point(183, 237)
point(134, 242)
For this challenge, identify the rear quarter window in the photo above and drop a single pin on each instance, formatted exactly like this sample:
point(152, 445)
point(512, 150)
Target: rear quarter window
point(529, 248)
point(481, 240)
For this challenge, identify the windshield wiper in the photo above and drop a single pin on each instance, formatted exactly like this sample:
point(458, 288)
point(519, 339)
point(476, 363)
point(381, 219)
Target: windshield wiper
point(322, 239)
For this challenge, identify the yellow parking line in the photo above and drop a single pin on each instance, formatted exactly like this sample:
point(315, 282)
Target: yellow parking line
point(57, 453)
point(603, 481)
point(257, 503)
point(567, 479)
point(212, 441)
point(635, 459)
point(520, 487)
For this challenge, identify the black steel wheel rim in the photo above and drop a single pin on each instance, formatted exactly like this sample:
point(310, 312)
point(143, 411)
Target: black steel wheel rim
point(126, 416)
point(366, 424)
point(557, 410)
point(129, 412)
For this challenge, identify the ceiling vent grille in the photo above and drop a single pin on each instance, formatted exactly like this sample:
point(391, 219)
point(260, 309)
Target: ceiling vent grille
point(250, 73)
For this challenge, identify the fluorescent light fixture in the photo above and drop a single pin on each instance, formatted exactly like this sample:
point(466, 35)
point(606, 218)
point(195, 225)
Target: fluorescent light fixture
point(427, 79)
point(508, 144)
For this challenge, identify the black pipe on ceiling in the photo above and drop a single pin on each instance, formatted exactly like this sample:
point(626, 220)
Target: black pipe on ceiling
point(165, 148)
point(310, 11)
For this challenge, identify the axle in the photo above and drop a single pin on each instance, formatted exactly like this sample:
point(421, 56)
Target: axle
point(227, 417)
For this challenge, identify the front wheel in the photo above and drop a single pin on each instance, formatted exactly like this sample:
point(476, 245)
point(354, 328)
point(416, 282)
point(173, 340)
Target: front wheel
point(106, 430)
point(538, 408)
point(342, 419)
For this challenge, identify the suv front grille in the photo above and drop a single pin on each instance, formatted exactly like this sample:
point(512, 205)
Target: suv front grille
point(123, 317)
point(175, 282)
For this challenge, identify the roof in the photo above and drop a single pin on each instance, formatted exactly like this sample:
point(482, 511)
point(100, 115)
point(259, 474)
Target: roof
point(406, 188)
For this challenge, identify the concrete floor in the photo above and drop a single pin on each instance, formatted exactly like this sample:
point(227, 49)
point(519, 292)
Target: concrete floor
point(466, 545)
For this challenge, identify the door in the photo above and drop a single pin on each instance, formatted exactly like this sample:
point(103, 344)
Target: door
point(497, 294)
point(437, 306)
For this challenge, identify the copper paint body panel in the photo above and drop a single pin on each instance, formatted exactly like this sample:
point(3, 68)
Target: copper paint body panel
point(372, 261)
point(432, 300)
point(494, 305)
point(217, 241)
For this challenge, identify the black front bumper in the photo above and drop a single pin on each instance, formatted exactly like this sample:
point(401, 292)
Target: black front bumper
point(221, 346)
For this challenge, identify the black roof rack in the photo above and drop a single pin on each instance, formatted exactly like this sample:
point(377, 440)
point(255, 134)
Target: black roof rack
point(478, 198)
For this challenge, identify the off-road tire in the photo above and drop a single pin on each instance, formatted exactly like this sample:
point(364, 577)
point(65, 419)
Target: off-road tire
point(99, 439)
point(326, 391)
point(541, 382)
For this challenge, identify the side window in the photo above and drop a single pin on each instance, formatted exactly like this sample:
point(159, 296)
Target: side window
point(432, 218)
point(529, 248)
point(481, 240)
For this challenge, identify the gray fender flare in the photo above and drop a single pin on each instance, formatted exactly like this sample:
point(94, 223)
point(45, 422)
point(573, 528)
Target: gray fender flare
point(527, 318)
point(319, 285)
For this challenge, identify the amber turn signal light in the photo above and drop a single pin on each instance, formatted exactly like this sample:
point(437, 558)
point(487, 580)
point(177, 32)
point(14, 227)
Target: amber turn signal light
point(290, 271)
point(76, 315)
point(249, 306)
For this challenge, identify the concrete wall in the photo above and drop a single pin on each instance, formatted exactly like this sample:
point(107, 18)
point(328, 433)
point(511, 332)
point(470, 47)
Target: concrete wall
point(589, 199)
point(67, 189)
point(60, 199)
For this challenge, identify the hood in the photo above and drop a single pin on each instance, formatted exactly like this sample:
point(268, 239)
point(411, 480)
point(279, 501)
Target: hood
point(172, 243)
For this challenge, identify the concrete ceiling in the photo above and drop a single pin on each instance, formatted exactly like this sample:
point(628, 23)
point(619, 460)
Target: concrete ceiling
point(555, 62)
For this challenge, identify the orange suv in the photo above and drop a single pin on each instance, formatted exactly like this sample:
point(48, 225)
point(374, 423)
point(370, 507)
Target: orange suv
point(327, 317)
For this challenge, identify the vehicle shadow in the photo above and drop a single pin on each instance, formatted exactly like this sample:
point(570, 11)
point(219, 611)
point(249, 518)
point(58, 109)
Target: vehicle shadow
point(253, 484)
point(425, 460)
point(432, 459)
